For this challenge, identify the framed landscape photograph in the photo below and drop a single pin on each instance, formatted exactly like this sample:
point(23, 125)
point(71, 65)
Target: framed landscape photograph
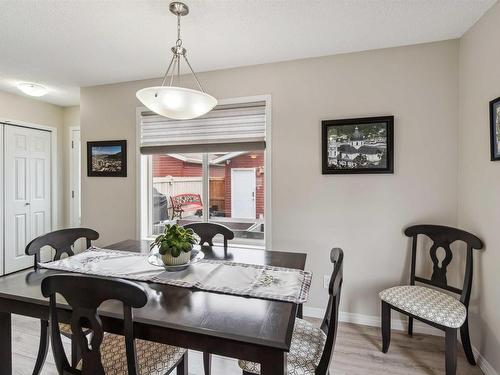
point(107, 159)
point(361, 145)
point(495, 128)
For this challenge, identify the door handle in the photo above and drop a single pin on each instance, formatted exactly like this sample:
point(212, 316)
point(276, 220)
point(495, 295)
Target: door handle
point(27, 204)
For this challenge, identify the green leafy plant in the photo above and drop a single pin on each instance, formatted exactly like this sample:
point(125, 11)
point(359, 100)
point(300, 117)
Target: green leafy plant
point(175, 239)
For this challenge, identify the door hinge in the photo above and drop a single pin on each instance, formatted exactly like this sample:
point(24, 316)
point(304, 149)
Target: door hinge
point(72, 144)
point(72, 193)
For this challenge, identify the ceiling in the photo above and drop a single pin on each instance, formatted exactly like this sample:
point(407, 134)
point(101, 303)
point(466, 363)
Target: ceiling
point(70, 44)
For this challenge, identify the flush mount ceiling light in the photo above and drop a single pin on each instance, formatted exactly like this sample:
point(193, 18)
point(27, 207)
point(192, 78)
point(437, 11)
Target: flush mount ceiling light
point(32, 89)
point(177, 102)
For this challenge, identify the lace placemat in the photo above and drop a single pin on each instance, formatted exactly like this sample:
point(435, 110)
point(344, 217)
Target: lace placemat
point(276, 283)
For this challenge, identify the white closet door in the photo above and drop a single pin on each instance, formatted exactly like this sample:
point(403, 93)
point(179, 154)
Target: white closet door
point(27, 192)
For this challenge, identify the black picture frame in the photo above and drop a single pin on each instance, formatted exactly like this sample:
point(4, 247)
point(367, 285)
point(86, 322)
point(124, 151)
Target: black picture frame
point(495, 129)
point(110, 167)
point(388, 121)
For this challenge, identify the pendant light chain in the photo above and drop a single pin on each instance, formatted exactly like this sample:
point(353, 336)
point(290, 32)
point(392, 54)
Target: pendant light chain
point(178, 43)
point(175, 62)
point(166, 73)
point(194, 74)
point(173, 70)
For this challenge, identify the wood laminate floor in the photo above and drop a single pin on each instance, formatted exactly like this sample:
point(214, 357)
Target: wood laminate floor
point(357, 353)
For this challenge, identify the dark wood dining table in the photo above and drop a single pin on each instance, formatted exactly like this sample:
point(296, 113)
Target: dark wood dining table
point(246, 328)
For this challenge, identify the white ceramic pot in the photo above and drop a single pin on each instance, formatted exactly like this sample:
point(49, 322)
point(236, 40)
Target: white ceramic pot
point(183, 258)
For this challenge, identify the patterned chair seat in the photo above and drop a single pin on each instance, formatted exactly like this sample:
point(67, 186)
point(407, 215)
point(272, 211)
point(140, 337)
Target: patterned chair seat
point(426, 303)
point(305, 350)
point(152, 358)
point(65, 329)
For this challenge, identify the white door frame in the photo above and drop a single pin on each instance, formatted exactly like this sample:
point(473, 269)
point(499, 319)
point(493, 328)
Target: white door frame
point(254, 170)
point(71, 188)
point(54, 163)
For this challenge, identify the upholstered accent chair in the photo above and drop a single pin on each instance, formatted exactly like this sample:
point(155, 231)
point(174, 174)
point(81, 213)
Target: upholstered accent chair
point(312, 348)
point(105, 353)
point(432, 305)
point(62, 242)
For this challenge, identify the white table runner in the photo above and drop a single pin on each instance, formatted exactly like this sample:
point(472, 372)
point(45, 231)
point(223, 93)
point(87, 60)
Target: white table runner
point(277, 283)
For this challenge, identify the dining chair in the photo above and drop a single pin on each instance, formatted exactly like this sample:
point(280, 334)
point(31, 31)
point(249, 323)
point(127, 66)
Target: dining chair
point(207, 232)
point(430, 305)
point(106, 353)
point(62, 241)
point(312, 348)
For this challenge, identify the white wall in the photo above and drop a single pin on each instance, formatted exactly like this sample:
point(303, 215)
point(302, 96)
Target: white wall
point(24, 109)
point(364, 214)
point(479, 178)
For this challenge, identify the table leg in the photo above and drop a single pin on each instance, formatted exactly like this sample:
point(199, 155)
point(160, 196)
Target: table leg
point(300, 311)
point(5, 344)
point(273, 363)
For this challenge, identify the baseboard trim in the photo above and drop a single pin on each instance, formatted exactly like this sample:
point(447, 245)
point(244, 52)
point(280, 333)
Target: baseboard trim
point(374, 321)
point(483, 364)
point(398, 325)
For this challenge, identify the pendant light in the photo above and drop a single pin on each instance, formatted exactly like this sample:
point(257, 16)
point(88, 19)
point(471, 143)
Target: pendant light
point(177, 102)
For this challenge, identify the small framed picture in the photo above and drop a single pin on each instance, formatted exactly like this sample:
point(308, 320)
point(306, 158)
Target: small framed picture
point(107, 159)
point(360, 145)
point(495, 128)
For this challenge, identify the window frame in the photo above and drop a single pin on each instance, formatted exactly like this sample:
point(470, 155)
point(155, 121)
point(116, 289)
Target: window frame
point(144, 178)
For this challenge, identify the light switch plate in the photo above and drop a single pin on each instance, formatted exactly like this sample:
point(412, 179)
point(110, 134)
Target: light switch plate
point(326, 281)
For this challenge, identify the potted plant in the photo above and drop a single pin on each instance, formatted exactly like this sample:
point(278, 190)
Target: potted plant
point(175, 245)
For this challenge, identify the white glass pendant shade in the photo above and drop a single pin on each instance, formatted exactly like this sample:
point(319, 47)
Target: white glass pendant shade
point(177, 103)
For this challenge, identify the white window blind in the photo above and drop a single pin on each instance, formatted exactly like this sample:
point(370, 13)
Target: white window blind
point(236, 127)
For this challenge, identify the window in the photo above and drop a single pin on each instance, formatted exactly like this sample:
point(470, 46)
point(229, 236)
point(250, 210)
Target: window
point(237, 193)
point(210, 169)
point(177, 189)
point(235, 186)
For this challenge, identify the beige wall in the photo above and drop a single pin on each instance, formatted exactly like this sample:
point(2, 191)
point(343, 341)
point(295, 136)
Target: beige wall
point(364, 214)
point(20, 108)
point(479, 178)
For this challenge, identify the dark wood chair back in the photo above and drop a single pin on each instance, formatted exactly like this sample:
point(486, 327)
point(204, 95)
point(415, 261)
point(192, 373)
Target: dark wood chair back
point(85, 294)
point(443, 237)
point(330, 321)
point(61, 241)
point(207, 231)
